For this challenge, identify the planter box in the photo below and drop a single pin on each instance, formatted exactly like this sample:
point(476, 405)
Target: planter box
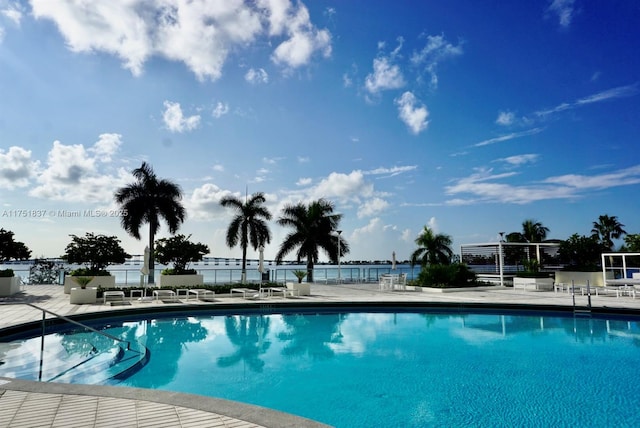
point(545, 284)
point(580, 278)
point(83, 296)
point(9, 286)
point(180, 280)
point(97, 281)
point(302, 289)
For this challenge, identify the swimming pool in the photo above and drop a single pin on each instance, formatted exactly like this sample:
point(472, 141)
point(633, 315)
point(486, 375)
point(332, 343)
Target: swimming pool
point(402, 369)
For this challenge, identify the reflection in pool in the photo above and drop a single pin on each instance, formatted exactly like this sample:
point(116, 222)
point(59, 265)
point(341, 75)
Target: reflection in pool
point(404, 369)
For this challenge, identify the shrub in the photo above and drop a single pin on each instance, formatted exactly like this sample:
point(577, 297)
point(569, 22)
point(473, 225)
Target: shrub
point(6, 273)
point(447, 276)
point(581, 253)
point(179, 251)
point(10, 249)
point(44, 272)
point(171, 271)
point(95, 251)
point(89, 272)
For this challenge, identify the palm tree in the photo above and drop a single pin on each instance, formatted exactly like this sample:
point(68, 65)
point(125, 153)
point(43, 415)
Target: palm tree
point(532, 231)
point(606, 229)
point(248, 226)
point(145, 201)
point(433, 248)
point(314, 226)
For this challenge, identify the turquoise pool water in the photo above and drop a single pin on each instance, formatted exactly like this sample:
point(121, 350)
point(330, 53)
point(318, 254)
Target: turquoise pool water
point(403, 369)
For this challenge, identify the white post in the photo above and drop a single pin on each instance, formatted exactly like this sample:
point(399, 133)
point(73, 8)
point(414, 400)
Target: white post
point(501, 263)
point(339, 277)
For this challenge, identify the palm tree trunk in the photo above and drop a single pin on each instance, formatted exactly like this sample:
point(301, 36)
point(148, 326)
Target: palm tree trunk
point(152, 256)
point(309, 270)
point(244, 264)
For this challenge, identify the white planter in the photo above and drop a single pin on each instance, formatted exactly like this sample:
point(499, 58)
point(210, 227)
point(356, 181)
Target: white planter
point(9, 285)
point(301, 288)
point(83, 296)
point(180, 280)
point(580, 278)
point(533, 283)
point(97, 281)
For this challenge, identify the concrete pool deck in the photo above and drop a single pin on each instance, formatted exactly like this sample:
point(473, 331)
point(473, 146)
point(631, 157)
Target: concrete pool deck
point(34, 404)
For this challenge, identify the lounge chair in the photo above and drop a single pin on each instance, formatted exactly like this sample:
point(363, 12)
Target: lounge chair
point(247, 293)
point(157, 294)
point(201, 294)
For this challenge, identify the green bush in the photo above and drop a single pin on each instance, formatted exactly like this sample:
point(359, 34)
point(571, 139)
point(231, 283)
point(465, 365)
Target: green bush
point(179, 251)
point(6, 273)
point(95, 251)
point(89, 272)
point(446, 276)
point(172, 271)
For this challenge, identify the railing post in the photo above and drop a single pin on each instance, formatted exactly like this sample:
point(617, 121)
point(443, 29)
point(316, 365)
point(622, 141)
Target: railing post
point(44, 316)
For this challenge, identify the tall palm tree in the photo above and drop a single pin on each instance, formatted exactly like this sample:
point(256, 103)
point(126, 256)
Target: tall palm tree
point(249, 225)
point(314, 226)
point(433, 248)
point(146, 201)
point(532, 231)
point(606, 229)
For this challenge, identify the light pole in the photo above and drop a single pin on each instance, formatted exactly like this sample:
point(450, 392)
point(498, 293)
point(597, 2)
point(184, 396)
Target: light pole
point(501, 259)
point(339, 278)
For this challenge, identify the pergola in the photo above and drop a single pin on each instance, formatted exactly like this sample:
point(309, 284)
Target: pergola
point(495, 260)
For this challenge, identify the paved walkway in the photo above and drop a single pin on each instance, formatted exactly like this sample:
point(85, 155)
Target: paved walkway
point(34, 404)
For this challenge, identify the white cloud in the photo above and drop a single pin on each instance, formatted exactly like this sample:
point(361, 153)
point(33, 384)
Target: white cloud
point(609, 94)
point(344, 186)
point(564, 9)
point(200, 34)
point(413, 113)
point(303, 159)
point(484, 186)
point(505, 118)
point(508, 137)
point(304, 38)
point(174, 119)
point(372, 207)
point(13, 12)
point(16, 167)
point(304, 181)
point(518, 160)
point(393, 171)
point(220, 110)
point(218, 168)
point(204, 202)
point(256, 76)
point(385, 76)
point(75, 174)
point(436, 50)
point(433, 225)
point(106, 146)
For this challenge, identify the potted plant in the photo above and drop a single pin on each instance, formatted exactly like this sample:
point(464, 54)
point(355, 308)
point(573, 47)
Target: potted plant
point(94, 253)
point(179, 251)
point(300, 274)
point(10, 250)
point(532, 277)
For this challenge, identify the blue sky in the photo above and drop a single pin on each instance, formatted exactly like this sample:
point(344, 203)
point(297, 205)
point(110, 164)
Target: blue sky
point(465, 116)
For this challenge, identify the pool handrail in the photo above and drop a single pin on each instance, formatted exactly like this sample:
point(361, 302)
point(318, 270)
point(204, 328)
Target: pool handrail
point(69, 320)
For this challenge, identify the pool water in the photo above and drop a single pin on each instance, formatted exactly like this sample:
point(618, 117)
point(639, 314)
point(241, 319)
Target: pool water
point(403, 369)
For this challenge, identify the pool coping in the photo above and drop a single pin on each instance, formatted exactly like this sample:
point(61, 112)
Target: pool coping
point(242, 411)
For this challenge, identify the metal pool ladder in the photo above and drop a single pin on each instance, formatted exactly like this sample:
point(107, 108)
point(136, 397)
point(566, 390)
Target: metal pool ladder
point(581, 311)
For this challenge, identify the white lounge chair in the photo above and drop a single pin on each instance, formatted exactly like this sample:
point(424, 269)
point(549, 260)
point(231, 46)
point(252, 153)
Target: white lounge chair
point(201, 294)
point(247, 293)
